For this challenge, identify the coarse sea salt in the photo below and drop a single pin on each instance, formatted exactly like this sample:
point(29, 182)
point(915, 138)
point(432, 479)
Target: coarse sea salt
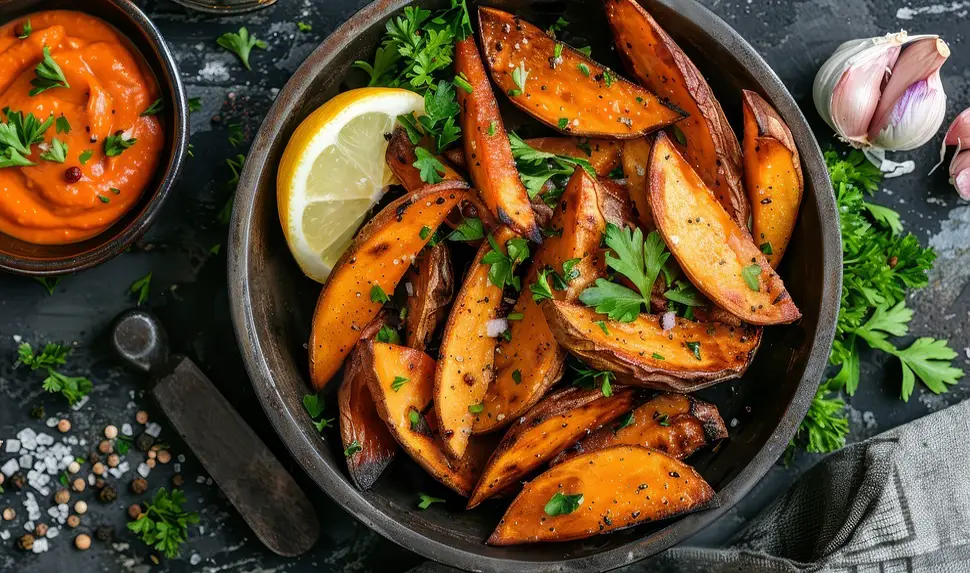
point(9, 468)
point(13, 446)
point(126, 429)
point(153, 429)
point(144, 470)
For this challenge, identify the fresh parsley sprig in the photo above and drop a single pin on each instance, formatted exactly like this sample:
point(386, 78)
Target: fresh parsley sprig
point(164, 525)
point(50, 358)
point(439, 121)
point(49, 75)
point(502, 272)
point(314, 405)
point(537, 167)
point(640, 261)
point(589, 378)
point(241, 44)
point(18, 134)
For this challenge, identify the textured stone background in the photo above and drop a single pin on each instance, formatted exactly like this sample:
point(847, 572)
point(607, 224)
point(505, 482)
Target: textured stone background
point(189, 294)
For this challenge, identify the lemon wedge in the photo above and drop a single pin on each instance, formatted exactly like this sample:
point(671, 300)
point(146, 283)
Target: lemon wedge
point(333, 172)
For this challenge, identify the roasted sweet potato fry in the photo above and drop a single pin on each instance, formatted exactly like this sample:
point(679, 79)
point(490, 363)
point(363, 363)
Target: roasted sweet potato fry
point(361, 428)
point(530, 361)
point(562, 88)
point(432, 281)
point(603, 154)
point(400, 158)
point(772, 176)
point(688, 357)
point(467, 352)
point(660, 65)
point(636, 158)
point(674, 424)
point(554, 424)
point(371, 269)
point(401, 381)
point(487, 150)
point(600, 492)
point(716, 254)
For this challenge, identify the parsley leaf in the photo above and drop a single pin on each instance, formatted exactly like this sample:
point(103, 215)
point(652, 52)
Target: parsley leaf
point(388, 335)
point(241, 44)
point(303, 26)
point(53, 355)
point(537, 167)
point(377, 294)
point(164, 524)
point(540, 288)
point(25, 30)
point(156, 108)
point(116, 144)
point(18, 134)
point(399, 382)
point(561, 504)
point(352, 449)
point(502, 272)
point(49, 75)
point(427, 500)
point(589, 378)
point(57, 152)
point(431, 169)
point(314, 404)
point(141, 288)
point(62, 125)
point(470, 229)
point(750, 275)
point(195, 104)
point(558, 26)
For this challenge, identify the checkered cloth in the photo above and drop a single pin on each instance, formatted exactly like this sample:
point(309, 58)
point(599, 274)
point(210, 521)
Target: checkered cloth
point(896, 503)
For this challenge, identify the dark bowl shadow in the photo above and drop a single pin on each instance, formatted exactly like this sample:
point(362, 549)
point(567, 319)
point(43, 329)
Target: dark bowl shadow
point(272, 304)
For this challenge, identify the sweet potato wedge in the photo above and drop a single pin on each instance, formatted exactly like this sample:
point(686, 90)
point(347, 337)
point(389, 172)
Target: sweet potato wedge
point(716, 254)
point(400, 158)
point(530, 361)
point(467, 354)
point(688, 357)
point(361, 428)
point(372, 266)
point(401, 381)
point(674, 424)
point(571, 92)
point(617, 487)
point(636, 158)
point(603, 154)
point(772, 176)
point(487, 150)
point(660, 65)
point(615, 203)
point(432, 281)
point(557, 422)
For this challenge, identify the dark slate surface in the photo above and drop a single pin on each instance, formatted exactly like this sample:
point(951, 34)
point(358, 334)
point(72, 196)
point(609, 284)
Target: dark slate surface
point(189, 292)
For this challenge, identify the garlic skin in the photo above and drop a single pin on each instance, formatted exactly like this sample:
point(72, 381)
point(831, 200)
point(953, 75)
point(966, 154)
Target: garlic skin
point(884, 94)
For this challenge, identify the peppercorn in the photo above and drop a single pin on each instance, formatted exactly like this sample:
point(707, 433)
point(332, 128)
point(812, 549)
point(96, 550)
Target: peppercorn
point(81, 507)
point(104, 533)
point(38, 412)
point(73, 467)
point(144, 442)
point(99, 482)
point(26, 543)
point(105, 447)
point(64, 426)
point(113, 461)
point(111, 432)
point(178, 480)
point(78, 485)
point(164, 456)
point(73, 521)
point(9, 514)
point(82, 541)
point(141, 417)
point(108, 494)
point(62, 496)
point(150, 462)
point(72, 174)
point(94, 457)
point(134, 510)
point(139, 486)
point(18, 480)
point(40, 530)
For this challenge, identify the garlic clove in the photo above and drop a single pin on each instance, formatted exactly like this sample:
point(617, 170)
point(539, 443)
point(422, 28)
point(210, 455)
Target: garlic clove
point(913, 99)
point(960, 173)
point(959, 129)
point(848, 85)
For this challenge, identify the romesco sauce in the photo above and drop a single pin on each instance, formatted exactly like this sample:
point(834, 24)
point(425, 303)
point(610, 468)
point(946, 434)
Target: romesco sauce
point(110, 87)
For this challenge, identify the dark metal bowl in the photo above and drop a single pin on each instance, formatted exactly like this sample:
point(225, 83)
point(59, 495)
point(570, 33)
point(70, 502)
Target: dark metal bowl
point(48, 260)
point(272, 304)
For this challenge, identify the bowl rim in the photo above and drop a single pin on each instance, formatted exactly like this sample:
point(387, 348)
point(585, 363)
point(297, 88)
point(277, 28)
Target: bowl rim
point(334, 483)
point(110, 248)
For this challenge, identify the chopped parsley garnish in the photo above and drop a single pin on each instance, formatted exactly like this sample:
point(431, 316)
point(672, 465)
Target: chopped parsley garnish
point(388, 335)
point(750, 275)
point(461, 81)
point(658, 356)
point(608, 77)
point(439, 120)
point(236, 135)
point(519, 76)
point(49, 283)
point(561, 504)
point(679, 135)
point(664, 420)
point(377, 294)
point(241, 44)
point(49, 75)
point(104, 199)
point(695, 348)
point(537, 167)
point(17, 135)
point(425, 232)
point(399, 382)
point(557, 52)
point(603, 327)
point(61, 125)
point(430, 168)
point(563, 123)
point(352, 449)
point(540, 288)
point(74, 388)
point(638, 260)
point(558, 26)
point(589, 378)
point(515, 316)
point(627, 420)
point(476, 408)
point(116, 144)
point(85, 156)
point(141, 288)
point(470, 229)
point(25, 30)
point(195, 104)
point(157, 107)
point(517, 376)
point(584, 69)
point(503, 265)
point(314, 406)
point(303, 26)
point(766, 248)
point(585, 50)
point(57, 152)
point(492, 127)
point(164, 525)
point(427, 500)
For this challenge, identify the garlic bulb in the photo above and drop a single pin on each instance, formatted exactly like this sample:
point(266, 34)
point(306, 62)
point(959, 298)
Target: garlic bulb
point(958, 134)
point(884, 94)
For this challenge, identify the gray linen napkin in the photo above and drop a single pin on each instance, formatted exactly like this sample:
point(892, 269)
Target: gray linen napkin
point(896, 503)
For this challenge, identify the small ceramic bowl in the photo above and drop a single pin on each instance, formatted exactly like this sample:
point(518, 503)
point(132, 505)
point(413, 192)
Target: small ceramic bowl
point(48, 260)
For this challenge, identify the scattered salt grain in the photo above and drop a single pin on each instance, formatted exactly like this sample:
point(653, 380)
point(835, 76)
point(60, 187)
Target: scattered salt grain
point(153, 429)
point(40, 545)
point(177, 467)
point(51, 422)
point(13, 446)
point(144, 470)
point(9, 468)
point(45, 440)
point(53, 532)
point(195, 559)
point(181, 458)
point(126, 429)
point(496, 327)
point(28, 439)
point(734, 422)
point(4, 535)
point(200, 479)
